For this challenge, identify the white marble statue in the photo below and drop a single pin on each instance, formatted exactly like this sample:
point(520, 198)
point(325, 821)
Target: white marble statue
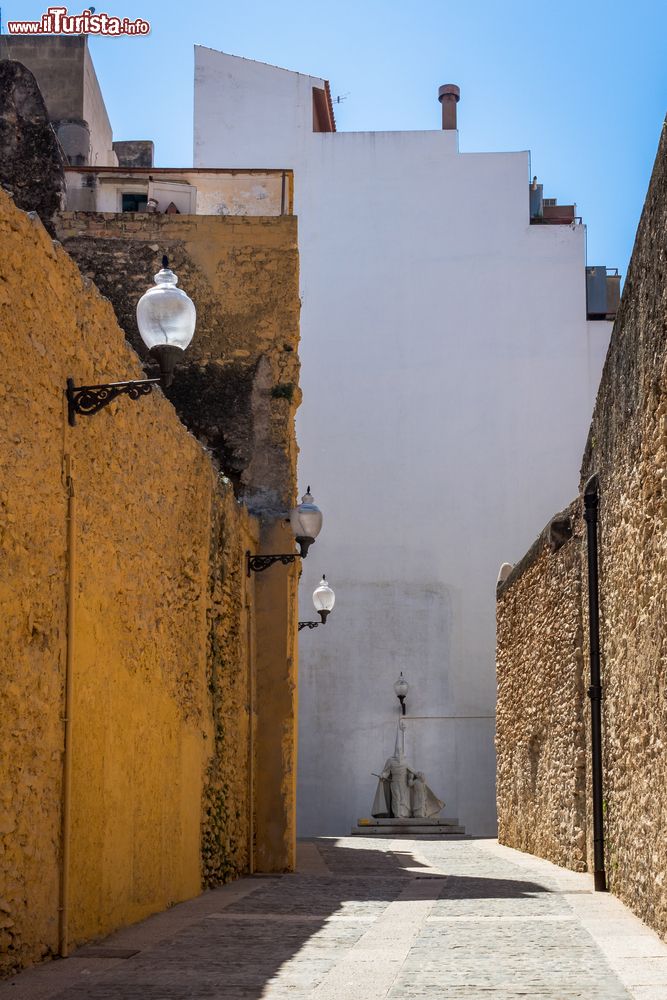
point(402, 792)
point(398, 774)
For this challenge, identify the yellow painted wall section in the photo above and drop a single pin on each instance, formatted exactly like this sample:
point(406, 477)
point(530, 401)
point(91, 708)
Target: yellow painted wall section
point(227, 808)
point(162, 663)
point(242, 273)
point(276, 706)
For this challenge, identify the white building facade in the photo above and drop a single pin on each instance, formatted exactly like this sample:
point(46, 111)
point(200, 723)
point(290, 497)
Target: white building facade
point(448, 375)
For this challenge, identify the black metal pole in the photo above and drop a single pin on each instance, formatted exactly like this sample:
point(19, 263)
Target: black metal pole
point(591, 502)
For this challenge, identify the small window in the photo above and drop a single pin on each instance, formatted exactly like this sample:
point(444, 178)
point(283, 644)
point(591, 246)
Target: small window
point(134, 202)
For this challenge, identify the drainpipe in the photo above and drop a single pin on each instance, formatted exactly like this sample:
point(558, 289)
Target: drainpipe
point(591, 503)
point(251, 735)
point(67, 750)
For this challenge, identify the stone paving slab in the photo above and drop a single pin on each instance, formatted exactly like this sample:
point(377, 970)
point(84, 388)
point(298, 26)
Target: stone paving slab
point(379, 920)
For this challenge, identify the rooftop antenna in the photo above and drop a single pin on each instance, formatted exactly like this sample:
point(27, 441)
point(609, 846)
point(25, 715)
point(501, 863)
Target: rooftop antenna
point(340, 98)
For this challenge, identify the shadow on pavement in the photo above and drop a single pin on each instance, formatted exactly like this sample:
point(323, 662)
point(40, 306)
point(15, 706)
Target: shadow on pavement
point(473, 887)
point(244, 949)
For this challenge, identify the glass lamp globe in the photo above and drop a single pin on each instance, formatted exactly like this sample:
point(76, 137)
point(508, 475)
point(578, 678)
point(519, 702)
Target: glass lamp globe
point(401, 687)
point(166, 318)
point(323, 599)
point(306, 521)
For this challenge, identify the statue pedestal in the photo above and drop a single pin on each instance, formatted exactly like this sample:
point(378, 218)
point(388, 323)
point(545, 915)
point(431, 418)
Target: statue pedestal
point(415, 826)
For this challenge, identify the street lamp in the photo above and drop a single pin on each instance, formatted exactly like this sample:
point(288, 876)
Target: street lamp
point(166, 318)
point(324, 600)
point(401, 688)
point(306, 522)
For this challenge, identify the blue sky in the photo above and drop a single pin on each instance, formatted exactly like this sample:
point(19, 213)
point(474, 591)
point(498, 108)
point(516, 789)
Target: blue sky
point(582, 85)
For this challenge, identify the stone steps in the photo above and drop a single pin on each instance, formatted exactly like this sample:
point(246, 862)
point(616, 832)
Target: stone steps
point(418, 831)
point(408, 828)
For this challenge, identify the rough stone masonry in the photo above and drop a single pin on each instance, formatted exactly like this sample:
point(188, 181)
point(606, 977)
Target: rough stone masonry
point(31, 164)
point(540, 733)
point(542, 606)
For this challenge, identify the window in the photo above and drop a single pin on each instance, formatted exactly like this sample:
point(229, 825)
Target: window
point(134, 201)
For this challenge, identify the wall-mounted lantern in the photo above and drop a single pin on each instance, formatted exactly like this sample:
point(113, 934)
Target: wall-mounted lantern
point(306, 522)
point(401, 689)
point(166, 318)
point(324, 600)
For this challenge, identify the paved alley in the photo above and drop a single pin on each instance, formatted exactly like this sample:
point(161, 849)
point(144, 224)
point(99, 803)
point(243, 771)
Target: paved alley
point(372, 918)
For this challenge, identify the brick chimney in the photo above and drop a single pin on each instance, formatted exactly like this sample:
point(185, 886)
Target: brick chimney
point(449, 96)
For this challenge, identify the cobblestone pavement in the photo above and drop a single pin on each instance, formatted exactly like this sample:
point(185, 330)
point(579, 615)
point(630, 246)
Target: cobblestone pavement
point(376, 918)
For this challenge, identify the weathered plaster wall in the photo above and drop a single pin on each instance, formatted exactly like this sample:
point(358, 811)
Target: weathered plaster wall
point(276, 706)
point(627, 447)
point(163, 642)
point(540, 734)
point(218, 192)
point(228, 810)
point(95, 114)
point(238, 393)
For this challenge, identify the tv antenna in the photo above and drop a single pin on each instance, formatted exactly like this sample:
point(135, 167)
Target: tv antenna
point(340, 98)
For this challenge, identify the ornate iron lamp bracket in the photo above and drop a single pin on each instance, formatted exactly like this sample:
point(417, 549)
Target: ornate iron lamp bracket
point(308, 625)
point(256, 564)
point(89, 399)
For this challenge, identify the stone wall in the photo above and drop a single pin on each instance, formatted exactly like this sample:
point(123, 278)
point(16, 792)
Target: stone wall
point(32, 164)
point(540, 736)
point(163, 645)
point(627, 447)
point(66, 77)
point(238, 391)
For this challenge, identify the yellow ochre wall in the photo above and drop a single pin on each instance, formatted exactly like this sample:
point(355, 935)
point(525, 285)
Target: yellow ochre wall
point(163, 641)
point(276, 708)
point(239, 388)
